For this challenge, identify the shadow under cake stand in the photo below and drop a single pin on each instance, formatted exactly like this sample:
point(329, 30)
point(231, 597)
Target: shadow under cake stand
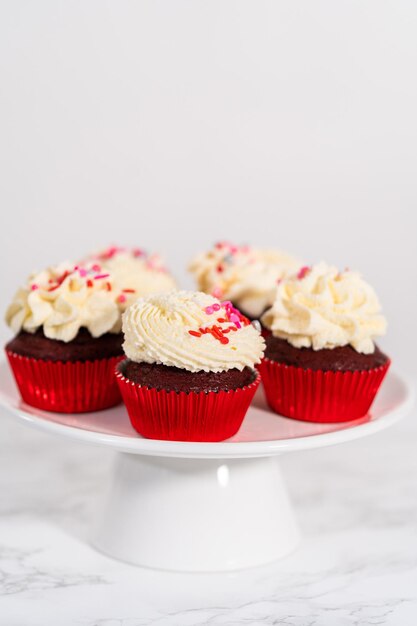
point(202, 506)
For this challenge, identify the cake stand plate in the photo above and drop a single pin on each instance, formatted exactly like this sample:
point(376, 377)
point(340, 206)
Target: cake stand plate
point(202, 506)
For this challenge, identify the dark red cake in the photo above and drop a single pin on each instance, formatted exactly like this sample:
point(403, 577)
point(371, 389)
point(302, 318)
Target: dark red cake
point(340, 359)
point(156, 376)
point(84, 347)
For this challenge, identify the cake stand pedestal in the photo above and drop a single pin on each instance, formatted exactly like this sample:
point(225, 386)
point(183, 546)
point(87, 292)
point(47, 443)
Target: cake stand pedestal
point(202, 506)
point(196, 514)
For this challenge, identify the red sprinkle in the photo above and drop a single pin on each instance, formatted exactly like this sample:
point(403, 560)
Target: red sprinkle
point(121, 298)
point(194, 333)
point(232, 316)
point(89, 283)
point(101, 276)
point(58, 281)
point(129, 290)
point(108, 285)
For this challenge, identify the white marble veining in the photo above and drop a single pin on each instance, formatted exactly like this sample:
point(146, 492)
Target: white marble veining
point(357, 564)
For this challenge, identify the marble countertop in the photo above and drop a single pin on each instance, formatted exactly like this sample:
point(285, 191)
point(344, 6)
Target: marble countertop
point(357, 564)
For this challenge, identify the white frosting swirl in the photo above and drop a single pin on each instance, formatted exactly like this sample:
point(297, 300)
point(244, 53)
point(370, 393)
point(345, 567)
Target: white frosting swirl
point(247, 276)
point(157, 330)
point(62, 299)
point(321, 307)
point(136, 271)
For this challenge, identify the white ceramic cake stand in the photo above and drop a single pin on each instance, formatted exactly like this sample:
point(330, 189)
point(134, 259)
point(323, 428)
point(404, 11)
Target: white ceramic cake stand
point(202, 506)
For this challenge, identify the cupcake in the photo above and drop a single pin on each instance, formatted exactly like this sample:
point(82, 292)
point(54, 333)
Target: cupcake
point(135, 272)
point(189, 373)
point(246, 276)
point(68, 340)
point(321, 363)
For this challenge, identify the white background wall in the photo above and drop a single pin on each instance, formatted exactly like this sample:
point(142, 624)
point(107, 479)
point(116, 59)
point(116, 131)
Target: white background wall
point(169, 124)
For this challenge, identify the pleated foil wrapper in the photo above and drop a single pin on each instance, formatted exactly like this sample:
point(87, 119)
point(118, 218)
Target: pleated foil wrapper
point(181, 416)
point(320, 396)
point(66, 387)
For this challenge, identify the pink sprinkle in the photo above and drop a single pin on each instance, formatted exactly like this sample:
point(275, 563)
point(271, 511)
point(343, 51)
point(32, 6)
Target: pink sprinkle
point(234, 318)
point(96, 267)
point(217, 292)
point(82, 272)
point(33, 287)
point(110, 252)
point(209, 310)
point(238, 324)
point(101, 276)
point(121, 298)
point(303, 271)
point(216, 307)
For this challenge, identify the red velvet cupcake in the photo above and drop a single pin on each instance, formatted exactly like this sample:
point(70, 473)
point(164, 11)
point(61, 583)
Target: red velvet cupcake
point(321, 363)
point(68, 339)
point(190, 372)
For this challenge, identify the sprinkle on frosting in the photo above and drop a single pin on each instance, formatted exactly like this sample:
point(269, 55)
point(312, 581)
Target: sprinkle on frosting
point(99, 276)
point(247, 276)
point(303, 271)
point(320, 307)
point(217, 331)
point(151, 261)
point(190, 330)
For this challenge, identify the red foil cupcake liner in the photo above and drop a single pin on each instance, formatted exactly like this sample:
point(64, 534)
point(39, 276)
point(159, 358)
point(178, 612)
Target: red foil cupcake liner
point(66, 387)
point(320, 396)
point(180, 416)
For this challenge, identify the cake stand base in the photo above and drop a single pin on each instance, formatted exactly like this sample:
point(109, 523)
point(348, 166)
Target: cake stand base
point(196, 514)
point(195, 506)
